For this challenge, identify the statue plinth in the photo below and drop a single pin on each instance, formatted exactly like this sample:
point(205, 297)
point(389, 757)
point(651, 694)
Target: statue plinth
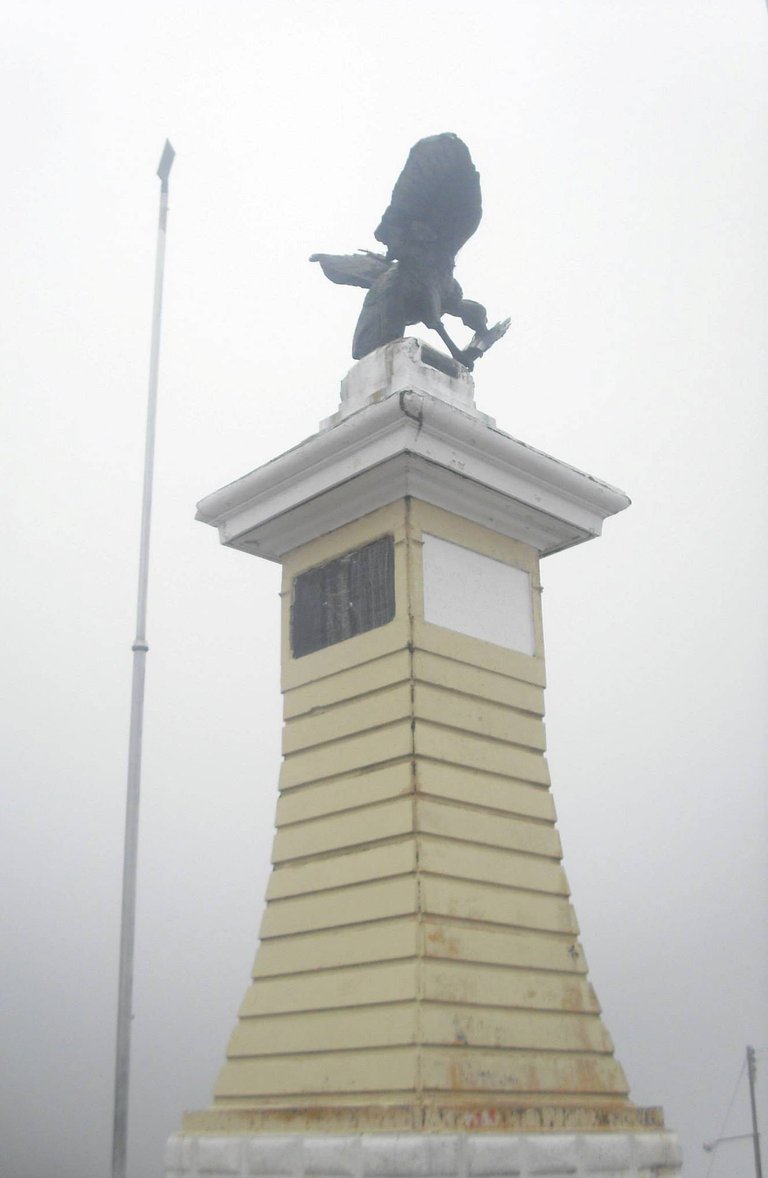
point(406, 366)
point(419, 1001)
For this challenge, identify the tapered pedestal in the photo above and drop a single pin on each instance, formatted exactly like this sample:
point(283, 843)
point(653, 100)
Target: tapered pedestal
point(419, 1001)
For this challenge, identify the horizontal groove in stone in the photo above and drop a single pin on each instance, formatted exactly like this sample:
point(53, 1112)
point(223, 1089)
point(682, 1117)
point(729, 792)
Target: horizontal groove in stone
point(329, 969)
point(456, 983)
point(364, 825)
point(328, 1098)
point(476, 653)
point(324, 851)
point(375, 982)
point(343, 868)
point(396, 706)
point(416, 795)
point(376, 805)
point(426, 1025)
point(459, 921)
point(451, 707)
point(283, 912)
point(342, 793)
point(427, 795)
point(428, 667)
point(415, 815)
point(394, 938)
point(433, 938)
point(352, 717)
point(486, 779)
point(456, 1070)
point(345, 657)
point(508, 907)
point(441, 670)
point(437, 1004)
point(340, 686)
point(361, 902)
point(464, 859)
point(534, 1101)
point(447, 818)
point(480, 808)
point(478, 733)
point(396, 855)
point(465, 1005)
point(486, 718)
point(381, 1049)
point(298, 795)
point(422, 873)
point(483, 775)
point(418, 957)
point(374, 749)
point(468, 751)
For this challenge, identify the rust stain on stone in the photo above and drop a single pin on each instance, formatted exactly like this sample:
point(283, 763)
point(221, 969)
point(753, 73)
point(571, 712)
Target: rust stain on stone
point(588, 1075)
point(449, 946)
point(482, 1118)
point(455, 1076)
point(572, 999)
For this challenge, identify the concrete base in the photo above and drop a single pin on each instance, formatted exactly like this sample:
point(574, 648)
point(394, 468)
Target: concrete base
point(424, 1155)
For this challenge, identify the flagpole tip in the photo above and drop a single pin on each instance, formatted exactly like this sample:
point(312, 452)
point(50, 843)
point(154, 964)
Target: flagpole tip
point(166, 162)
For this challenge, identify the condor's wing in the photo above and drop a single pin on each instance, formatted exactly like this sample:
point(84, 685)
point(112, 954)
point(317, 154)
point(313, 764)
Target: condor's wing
point(352, 269)
point(435, 200)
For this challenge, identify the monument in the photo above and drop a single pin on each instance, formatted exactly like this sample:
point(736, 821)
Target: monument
point(419, 1002)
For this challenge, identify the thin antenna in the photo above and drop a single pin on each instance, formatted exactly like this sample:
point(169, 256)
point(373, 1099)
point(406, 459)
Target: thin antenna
point(139, 648)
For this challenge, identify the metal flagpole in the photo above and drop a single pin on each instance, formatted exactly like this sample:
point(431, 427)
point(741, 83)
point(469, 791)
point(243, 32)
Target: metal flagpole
point(751, 1071)
point(139, 648)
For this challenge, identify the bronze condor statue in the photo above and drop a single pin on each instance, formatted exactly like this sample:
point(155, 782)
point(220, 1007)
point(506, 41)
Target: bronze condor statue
point(435, 208)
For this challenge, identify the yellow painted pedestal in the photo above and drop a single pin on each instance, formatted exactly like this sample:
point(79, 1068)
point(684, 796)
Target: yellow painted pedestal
point(419, 968)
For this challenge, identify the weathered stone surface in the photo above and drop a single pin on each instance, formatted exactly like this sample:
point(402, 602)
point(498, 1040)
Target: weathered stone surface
point(426, 1155)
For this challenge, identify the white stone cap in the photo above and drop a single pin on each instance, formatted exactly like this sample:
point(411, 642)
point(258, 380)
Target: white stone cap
point(406, 365)
point(410, 442)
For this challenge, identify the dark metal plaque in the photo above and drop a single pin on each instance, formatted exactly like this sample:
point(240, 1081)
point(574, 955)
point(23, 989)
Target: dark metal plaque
point(345, 597)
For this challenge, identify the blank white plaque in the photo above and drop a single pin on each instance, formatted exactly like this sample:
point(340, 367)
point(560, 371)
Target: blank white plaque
point(477, 595)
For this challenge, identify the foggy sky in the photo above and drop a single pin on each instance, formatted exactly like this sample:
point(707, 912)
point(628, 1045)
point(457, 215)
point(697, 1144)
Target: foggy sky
point(623, 151)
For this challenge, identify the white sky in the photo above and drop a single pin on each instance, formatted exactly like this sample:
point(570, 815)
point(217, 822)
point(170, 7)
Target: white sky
point(623, 149)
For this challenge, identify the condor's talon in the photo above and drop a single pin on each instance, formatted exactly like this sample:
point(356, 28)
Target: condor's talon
point(468, 358)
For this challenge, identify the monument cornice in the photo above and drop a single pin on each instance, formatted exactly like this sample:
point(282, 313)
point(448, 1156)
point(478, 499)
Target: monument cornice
point(410, 443)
